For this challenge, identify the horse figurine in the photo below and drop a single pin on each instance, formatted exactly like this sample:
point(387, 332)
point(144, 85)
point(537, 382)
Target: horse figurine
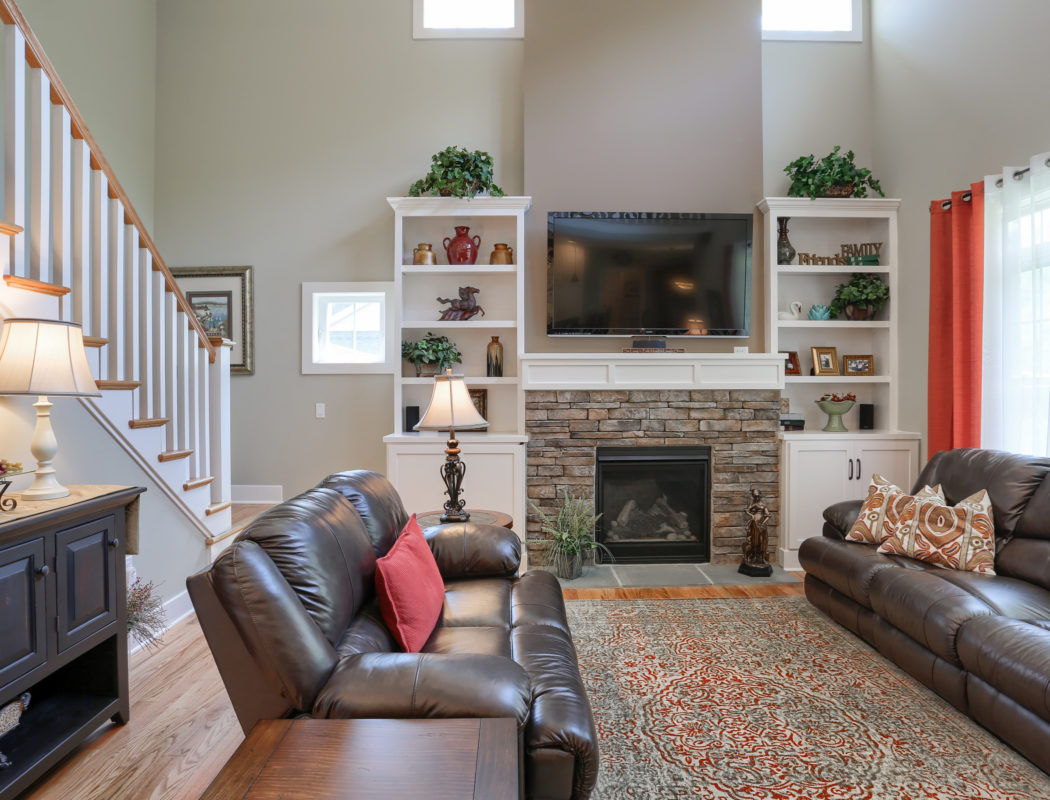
point(464, 308)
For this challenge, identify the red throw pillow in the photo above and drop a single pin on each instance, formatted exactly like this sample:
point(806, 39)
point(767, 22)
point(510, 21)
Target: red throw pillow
point(411, 592)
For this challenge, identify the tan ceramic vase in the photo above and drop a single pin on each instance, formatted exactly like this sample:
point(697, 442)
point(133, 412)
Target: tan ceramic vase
point(502, 254)
point(423, 254)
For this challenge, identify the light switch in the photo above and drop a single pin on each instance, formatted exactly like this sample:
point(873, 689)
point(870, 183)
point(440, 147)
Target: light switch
point(319, 410)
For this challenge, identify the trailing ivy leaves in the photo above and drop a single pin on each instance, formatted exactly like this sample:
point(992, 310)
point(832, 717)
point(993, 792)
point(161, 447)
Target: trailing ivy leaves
point(862, 290)
point(457, 172)
point(813, 179)
point(431, 349)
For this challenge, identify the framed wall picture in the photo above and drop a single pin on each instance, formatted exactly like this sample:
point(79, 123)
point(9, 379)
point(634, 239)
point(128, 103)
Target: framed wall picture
point(825, 361)
point(480, 399)
point(221, 297)
point(791, 366)
point(858, 365)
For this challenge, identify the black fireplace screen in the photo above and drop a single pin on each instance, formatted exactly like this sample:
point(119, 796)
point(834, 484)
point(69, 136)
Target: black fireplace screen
point(655, 503)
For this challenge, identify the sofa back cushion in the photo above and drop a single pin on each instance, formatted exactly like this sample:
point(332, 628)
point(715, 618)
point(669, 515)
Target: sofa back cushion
point(1011, 481)
point(319, 544)
point(377, 502)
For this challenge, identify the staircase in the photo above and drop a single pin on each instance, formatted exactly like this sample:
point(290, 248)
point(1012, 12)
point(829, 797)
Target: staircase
point(78, 251)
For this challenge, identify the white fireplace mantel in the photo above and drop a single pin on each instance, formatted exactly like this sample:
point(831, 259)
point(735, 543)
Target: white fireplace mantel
point(610, 371)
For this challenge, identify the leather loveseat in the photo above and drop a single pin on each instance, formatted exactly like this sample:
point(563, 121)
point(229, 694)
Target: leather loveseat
point(291, 616)
point(980, 641)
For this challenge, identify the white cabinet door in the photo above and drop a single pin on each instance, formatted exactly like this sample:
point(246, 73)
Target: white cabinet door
point(817, 475)
point(896, 461)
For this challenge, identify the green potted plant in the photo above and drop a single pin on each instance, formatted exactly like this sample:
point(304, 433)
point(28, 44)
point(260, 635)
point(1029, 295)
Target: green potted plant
point(571, 534)
point(833, 176)
point(431, 354)
point(860, 297)
point(457, 172)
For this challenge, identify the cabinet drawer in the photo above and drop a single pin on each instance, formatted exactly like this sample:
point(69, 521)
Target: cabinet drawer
point(85, 557)
point(23, 644)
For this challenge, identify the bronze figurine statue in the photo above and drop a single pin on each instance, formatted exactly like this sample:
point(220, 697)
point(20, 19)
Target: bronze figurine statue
point(755, 562)
point(464, 308)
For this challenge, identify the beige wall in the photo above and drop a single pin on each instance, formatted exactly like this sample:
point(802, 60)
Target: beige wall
point(279, 135)
point(105, 54)
point(634, 106)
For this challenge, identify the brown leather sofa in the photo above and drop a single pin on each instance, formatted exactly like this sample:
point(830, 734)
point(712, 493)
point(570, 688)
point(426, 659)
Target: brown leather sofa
point(290, 614)
point(982, 642)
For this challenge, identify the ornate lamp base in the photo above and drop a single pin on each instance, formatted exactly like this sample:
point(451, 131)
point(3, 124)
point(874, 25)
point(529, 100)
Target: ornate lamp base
point(452, 472)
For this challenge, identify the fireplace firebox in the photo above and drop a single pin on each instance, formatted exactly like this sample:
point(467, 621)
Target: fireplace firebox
point(655, 503)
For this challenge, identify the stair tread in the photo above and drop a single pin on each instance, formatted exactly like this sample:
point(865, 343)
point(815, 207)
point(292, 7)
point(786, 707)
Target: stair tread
point(40, 287)
point(95, 341)
point(215, 508)
point(172, 455)
point(10, 229)
point(148, 422)
point(196, 483)
point(108, 384)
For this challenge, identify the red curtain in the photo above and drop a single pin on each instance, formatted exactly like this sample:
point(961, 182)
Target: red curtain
point(956, 300)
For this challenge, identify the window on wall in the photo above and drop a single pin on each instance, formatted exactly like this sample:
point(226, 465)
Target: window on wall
point(813, 20)
point(346, 328)
point(468, 19)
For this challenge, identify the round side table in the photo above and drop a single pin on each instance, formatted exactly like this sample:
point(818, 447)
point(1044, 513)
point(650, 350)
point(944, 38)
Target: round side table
point(429, 518)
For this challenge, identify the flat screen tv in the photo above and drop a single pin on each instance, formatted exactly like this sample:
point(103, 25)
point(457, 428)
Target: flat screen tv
point(641, 273)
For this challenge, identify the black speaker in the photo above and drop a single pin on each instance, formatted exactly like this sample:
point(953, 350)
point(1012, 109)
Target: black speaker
point(411, 417)
point(867, 417)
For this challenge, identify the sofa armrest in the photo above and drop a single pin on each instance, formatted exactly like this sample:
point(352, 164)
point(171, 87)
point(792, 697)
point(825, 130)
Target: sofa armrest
point(839, 518)
point(425, 685)
point(474, 550)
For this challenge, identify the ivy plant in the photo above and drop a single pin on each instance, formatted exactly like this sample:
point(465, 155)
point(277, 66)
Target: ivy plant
point(431, 349)
point(456, 172)
point(813, 179)
point(863, 290)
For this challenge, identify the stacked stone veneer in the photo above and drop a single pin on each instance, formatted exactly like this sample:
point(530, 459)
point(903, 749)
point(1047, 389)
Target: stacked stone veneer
point(740, 427)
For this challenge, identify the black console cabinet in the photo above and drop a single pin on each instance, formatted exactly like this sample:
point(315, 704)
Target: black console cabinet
point(63, 630)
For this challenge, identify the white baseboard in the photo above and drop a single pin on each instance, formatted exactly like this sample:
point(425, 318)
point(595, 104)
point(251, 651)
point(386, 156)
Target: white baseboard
point(789, 559)
point(175, 610)
point(256, 493)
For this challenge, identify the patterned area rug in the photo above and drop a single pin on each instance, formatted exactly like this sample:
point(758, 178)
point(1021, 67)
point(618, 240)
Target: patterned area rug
point(766, 698)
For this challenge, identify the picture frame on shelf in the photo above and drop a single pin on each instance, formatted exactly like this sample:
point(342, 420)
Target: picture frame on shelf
point(825, 361)
point(858, 365)
point(214, 291)
point(791, 365)
point(480, 399)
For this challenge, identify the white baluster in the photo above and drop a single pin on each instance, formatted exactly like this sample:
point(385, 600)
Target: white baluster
point(15, 144)
point(145, 335)
point(100, 265)
point(132, 305)
point(203, 413)
point(62, 203)
point(192, 406)
point(159, 351)
point(39, 176)
point(219, 424)
point(182, 382)
point(115, 303)
point(169, 342)
point(81, 206)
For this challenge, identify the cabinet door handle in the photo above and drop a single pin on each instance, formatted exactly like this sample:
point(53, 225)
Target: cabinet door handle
point(113, 544)
point(850, 468)
point(44, 571)
point(858, 469)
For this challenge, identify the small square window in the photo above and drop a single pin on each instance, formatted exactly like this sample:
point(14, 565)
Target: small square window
point(468, 19)
point(813, 20)
point(346, 328)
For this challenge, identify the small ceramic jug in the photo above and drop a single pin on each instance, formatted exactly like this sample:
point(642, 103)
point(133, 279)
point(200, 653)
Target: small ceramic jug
point(502, 254)
point(819, 312)
point(423, 254)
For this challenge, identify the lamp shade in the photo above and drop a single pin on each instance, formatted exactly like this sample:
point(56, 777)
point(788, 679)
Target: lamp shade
point(44, 357)
point(450, 406)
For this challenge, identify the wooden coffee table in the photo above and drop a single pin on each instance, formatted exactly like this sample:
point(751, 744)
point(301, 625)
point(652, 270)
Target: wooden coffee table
point(428, 518)
point(373, 759)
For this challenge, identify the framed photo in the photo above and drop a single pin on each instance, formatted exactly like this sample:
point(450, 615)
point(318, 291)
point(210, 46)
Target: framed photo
point(480, 399)
point(825, 361)
point(791, 366)
point(221, 297)
point(858, 365)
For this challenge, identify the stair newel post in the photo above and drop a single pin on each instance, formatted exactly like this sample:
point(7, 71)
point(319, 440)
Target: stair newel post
point(169, 344)
point(15, 144)
point(147, 392)
point(132, 307)
point(62, 203)
point(81, 235)
point(115, 302)
point(219, 422)
point(100, 265)
point(40, 176)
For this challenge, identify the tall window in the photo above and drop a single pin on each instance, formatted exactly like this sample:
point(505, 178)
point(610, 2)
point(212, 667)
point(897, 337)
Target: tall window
point(468, 19)
point(345, 328)
point(813, 20)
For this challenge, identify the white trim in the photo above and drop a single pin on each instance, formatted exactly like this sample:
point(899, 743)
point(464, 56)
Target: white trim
point(256, 493)
point(392, 349)
point(854, 35)
point(419, 32)
point(598, 371)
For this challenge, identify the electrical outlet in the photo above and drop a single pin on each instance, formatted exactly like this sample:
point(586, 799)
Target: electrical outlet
point(319, 410)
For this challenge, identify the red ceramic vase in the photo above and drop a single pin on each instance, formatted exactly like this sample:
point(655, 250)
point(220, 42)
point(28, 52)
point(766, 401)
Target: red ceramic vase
point(462, 248)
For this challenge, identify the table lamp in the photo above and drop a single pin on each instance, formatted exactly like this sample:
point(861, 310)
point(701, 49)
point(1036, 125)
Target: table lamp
point(44, 357)
point(450, 408)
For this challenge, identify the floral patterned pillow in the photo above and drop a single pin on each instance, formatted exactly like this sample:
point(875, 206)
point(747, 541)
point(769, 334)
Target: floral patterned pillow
point(881, 513)
point(952, 537)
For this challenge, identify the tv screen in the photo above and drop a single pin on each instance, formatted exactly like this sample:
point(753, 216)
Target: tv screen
point(663, 274)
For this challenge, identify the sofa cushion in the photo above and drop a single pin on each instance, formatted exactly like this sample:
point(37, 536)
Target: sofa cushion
point(480, 602)
point(367, 633)
point(1026, 559)
point(1011, 655)
point(376, 501)
point(1011, 480)
point(536, 599)
point(465, 641)
point(880, 515)
point(926, 607)
point(849, 567)
point(1007, 596)
point(410, 589)
point(960, 537)
point(474, 550)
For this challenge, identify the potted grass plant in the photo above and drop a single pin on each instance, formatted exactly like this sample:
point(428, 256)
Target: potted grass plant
point(571, 532)
point(834, 175)
point(457, 172)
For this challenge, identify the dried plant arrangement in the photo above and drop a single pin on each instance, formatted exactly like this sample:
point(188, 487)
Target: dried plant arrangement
point(146, 618)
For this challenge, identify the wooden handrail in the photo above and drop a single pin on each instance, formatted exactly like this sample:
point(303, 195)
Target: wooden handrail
point(11, 14)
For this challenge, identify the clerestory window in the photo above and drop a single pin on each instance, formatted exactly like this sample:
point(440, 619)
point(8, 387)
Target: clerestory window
point(468, 19)
point(813, 20)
